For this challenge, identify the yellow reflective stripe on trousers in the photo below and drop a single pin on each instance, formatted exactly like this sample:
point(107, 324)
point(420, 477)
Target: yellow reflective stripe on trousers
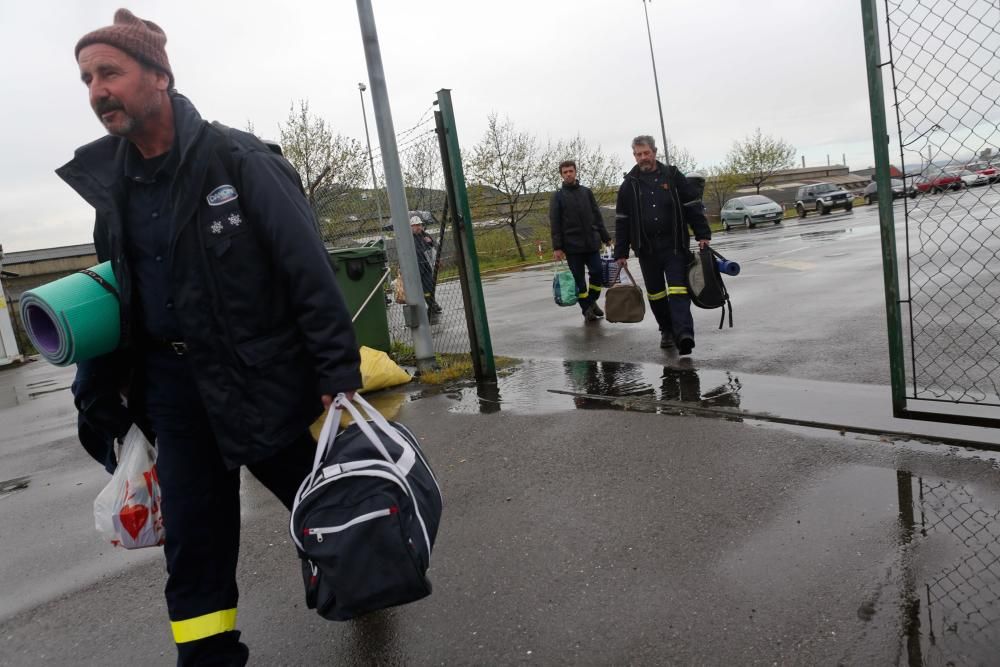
point(583, 295)
point(200, 627)
point(678, 290)
point(595, 288)
point(656, 296)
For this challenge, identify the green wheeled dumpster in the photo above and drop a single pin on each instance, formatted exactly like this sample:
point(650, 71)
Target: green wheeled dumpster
point(361, 276)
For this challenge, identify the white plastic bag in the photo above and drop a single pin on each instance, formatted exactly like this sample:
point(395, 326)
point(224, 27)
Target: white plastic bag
point(127, 510)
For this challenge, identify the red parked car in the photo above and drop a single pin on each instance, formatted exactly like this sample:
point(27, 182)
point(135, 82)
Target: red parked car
point(937, 182)
point(986, 169)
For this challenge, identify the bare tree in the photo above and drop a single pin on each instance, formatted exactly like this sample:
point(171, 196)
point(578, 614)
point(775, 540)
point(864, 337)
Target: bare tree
point(759, 156)
point(720, 184)
point(511, 168)
point(681, 157)
point(330, 165)
point(600, 171)
point(423, 174)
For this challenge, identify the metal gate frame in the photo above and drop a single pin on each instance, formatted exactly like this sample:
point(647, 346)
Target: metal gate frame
point(903, 405)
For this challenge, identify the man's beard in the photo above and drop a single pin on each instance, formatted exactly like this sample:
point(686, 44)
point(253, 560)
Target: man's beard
point(130, 124)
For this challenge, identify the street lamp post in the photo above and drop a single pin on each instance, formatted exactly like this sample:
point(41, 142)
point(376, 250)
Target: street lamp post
point(371, 160)
point(656, 82)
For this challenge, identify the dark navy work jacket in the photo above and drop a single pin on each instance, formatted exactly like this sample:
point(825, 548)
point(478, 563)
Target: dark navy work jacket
point(254, 293)
point(679, 206)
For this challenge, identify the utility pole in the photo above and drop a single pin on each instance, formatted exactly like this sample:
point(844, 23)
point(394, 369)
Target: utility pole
point(415, 310)
point(656, 82)
point(371, 160)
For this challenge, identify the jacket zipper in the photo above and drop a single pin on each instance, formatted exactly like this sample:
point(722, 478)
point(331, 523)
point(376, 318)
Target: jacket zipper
point(320, 532)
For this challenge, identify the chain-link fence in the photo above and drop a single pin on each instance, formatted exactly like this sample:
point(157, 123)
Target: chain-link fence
point(957, 609)
point(361, 217)
point(946, 96)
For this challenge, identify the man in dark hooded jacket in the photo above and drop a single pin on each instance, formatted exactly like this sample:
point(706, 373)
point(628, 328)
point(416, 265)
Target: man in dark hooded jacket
point(577, 234)
point(234, 334)
point(656, 205)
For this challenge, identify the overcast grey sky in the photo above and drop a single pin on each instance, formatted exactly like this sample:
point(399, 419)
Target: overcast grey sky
point(793, 68)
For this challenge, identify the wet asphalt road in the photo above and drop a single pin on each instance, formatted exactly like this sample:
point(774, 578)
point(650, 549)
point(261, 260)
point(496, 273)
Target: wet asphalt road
point(808, 304)
point(579, 530)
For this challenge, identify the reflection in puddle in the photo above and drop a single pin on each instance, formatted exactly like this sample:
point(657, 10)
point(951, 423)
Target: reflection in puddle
point(539, 386)
point(951, 614)
point(940, 589)
point(617, 379)
point(678, 387)
point(825, 235)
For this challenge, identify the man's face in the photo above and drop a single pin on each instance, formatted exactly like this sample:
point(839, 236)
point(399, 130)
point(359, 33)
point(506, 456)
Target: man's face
point(645, 157)
point(123, 93)
point(417, 229)
point(568, 174)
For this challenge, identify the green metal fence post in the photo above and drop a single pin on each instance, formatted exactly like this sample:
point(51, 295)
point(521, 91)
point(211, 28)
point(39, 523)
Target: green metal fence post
point(880, 141)
point(481, 343)
point(458, 231)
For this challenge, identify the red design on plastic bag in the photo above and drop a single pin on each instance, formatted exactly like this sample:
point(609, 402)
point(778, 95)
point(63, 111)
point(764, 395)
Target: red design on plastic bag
point(133, 518)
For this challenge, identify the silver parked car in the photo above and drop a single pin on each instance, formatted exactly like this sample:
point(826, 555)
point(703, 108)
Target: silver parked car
point(750, 211)
point(969, 178)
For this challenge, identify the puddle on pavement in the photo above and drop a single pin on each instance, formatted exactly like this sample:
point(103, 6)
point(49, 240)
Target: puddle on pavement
point(939, 582)
point(838, 234)
point(15, 391)
point(952, 611)
point(11, 486)
point(937, 543)
point(677, 387)
point(545, 386)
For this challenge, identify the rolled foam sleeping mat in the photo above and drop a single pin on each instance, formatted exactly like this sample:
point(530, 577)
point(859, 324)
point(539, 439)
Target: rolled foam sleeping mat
point(74, 318)
point(727, 267)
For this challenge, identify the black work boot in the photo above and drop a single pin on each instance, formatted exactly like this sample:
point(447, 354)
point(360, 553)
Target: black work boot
point(666, 340)
point(597, 309)
point(685, 345)
point(589, 315)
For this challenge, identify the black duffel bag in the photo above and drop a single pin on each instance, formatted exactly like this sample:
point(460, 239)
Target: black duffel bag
point(365, 519)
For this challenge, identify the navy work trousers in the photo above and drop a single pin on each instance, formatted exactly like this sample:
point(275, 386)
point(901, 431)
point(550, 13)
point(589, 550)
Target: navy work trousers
point(587, 292)
point(664, 271)
point(201, 511)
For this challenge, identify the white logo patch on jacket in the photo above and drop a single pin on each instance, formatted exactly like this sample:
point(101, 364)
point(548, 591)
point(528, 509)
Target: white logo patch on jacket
point(221, 195)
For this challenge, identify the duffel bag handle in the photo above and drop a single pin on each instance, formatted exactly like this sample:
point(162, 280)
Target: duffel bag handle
point(629, 274)
point(329, 432)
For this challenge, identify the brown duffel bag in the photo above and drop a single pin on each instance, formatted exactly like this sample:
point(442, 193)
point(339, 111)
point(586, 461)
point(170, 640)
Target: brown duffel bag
point(624, 303)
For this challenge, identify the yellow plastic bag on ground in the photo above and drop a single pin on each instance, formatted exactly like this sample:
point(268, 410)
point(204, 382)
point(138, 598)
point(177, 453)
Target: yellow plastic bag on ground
point(378, 371)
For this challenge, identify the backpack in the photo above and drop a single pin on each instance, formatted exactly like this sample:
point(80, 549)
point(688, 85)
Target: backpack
point(705, 286)
point(366, 517)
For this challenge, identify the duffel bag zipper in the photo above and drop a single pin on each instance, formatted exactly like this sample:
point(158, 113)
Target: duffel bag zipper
point(320, 532)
